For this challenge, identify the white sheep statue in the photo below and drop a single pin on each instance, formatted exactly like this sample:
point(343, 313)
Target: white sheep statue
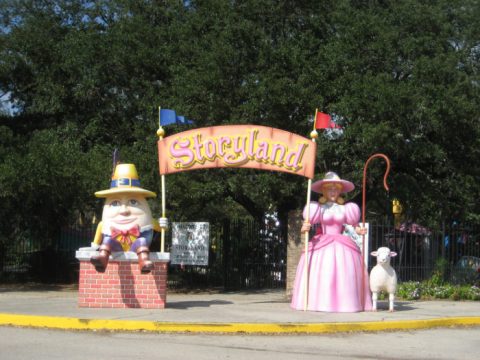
point(383, 277)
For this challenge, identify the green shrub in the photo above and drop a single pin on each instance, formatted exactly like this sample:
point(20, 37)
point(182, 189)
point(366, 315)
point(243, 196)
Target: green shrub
point(463, 285)
point(409, 290)
point(475, 293)
point(427, 291)
point(439, 273)
point(443, 292)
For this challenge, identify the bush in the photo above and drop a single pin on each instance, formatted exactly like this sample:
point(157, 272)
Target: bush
point(409, 290)
point(427, 291)
point(439, 274)
point(464, 282)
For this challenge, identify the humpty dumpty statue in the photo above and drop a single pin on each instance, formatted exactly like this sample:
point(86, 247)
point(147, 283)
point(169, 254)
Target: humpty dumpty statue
point(127, 223)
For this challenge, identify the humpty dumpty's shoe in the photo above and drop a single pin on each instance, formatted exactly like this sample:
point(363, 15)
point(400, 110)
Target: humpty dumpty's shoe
point(144, 262)
point(100, 261)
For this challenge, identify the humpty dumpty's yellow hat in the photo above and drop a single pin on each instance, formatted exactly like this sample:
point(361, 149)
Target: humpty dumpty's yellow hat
point(125, 180)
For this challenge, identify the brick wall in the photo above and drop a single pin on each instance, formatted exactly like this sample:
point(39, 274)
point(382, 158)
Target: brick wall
point(122, 285)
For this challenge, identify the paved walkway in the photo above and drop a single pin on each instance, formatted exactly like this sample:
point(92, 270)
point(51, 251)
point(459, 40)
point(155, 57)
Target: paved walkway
point(212, 312)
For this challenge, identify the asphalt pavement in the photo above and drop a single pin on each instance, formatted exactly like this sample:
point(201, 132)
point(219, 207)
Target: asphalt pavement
point(252, 312)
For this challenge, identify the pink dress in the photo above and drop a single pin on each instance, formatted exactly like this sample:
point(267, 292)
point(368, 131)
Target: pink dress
point(336, 280)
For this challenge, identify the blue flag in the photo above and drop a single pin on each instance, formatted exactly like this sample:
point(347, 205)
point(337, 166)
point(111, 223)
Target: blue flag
point(168, 117)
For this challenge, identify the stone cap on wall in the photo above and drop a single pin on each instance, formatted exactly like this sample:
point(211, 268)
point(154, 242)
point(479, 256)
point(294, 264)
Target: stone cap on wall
point(88, 252)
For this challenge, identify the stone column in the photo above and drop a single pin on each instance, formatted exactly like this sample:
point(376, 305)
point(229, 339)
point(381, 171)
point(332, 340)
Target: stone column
point(295, 247)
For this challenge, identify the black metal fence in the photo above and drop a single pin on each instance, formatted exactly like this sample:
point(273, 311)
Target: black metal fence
point(243, 254)
point(30, 258)
point(452, 252)
point(252, 254)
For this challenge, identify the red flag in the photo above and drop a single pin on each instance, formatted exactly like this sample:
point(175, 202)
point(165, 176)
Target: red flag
point(322, 121)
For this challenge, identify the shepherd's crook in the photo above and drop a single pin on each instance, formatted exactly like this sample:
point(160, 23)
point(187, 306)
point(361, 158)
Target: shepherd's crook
point(364, 185)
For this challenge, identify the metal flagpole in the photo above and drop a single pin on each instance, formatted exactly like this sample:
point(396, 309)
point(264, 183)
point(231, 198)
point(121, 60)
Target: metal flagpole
point(306, 269)
point(364, 185)
point(161, 134)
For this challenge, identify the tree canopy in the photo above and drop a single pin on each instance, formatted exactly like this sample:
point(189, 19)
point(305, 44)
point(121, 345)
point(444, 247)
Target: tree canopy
point(79, 78)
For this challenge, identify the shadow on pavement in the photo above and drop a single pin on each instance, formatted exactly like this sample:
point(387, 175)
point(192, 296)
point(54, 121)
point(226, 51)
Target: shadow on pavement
point(382, 305)
point(192, 304)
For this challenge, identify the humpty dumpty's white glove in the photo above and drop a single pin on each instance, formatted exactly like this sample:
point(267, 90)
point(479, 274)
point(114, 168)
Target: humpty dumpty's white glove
point(163, 222)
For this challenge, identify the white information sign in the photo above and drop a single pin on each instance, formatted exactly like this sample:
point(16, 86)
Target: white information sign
point(190, 243)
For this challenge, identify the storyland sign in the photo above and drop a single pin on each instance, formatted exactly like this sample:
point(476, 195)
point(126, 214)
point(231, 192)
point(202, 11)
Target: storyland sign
point(190, 243)
point(244, 146)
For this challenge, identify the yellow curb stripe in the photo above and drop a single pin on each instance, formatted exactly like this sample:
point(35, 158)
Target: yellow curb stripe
point(66, 323)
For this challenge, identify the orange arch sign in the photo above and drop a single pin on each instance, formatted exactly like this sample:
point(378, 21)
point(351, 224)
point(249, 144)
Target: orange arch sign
point(242, 146)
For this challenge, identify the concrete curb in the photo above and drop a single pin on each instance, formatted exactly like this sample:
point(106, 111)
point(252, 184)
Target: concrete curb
point(66, 323)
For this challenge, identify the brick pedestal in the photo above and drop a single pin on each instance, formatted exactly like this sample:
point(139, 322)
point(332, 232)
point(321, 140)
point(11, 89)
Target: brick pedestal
point(122, 285)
